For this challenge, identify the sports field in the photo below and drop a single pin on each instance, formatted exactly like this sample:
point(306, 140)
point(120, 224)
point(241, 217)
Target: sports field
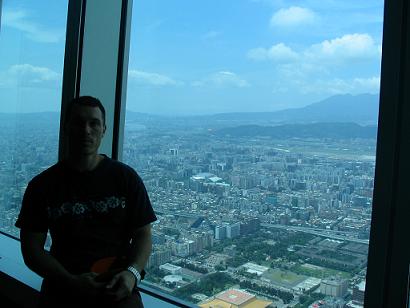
point(318, 271)
point(283, 278)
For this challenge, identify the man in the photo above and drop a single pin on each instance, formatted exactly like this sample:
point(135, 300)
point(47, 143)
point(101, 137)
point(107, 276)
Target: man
point(95, 209)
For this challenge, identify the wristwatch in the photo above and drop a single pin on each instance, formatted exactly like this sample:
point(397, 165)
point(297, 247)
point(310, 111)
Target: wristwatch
point(136, 274)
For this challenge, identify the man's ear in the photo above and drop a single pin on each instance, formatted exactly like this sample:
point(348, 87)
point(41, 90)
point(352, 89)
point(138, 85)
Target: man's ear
point(104, 129)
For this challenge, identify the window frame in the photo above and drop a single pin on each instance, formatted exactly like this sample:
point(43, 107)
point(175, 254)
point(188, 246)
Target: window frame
point(387, 271)
point(388, 260)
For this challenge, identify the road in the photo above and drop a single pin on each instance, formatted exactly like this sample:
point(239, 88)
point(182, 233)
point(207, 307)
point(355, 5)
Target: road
point(333, 234)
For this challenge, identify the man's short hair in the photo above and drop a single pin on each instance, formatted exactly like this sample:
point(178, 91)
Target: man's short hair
point(85, 100)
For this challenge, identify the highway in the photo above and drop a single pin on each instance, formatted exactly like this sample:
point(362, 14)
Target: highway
point(333, 234)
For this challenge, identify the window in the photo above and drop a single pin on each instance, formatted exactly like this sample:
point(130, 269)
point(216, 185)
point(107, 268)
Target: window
point(31, 65)
point(253, 125)
point(188, 62)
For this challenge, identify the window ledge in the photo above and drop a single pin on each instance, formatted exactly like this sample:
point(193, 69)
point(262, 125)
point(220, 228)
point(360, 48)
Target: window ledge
point(20, 285)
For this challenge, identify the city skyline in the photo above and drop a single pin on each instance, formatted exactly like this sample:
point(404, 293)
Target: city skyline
point(213, 194)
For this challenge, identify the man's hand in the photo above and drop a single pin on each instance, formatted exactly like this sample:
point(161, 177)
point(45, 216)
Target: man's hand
point(87, 285)
point(120, 286)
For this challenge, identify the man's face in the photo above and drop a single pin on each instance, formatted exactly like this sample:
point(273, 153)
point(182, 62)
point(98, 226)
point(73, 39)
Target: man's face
point(86, 128)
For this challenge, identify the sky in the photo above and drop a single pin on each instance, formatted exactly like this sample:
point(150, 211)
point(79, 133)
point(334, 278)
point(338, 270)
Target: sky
point(203, 57)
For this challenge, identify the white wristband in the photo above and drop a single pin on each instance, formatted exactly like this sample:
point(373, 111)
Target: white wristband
point(136, 274)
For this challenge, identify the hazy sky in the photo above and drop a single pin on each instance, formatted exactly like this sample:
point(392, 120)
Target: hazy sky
point(209, 56)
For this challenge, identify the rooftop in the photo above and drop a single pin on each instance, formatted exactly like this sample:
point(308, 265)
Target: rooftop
point(235, 297)
point(362, 285)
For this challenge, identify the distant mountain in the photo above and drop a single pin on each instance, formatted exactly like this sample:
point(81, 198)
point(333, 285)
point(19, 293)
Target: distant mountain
point(361, 109)
point(30, 120)
point(315, 130)
point(133, 116)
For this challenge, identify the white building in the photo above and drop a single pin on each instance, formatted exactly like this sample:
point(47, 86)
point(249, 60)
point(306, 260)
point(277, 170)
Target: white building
point(170, 268)
point(233, 230)
point(336, 287)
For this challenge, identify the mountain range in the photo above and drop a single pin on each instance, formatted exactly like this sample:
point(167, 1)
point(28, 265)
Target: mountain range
point(360, 109)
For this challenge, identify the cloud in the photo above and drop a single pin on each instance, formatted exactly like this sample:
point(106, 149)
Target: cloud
point(322, 68)
point(222, 79)
point(340, 86)
point(278, 53)
point(372, 83)
point(349, 46)
point(29, 76)
point(322, 56)
point(226, 78)
point(310, 79)
point(36, 73)
point(211, 35)
point(152, 78)
point(293, 16)
point(18, 19)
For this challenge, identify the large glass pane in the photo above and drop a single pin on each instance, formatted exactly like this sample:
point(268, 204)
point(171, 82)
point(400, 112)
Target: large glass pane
point(253, 125)
point(32, 40)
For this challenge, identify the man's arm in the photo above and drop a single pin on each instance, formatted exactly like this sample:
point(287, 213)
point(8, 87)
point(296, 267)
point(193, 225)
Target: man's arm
point(141, 247)
point(44, 264)
point(122, 284)
point(38, 259)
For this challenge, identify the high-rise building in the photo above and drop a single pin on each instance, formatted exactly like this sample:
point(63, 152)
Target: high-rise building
point(181, 249)
point(159, 257)
point(220, 232)
point(336, 287)
point(358, 292)
point(249, 226)
point(233, 230)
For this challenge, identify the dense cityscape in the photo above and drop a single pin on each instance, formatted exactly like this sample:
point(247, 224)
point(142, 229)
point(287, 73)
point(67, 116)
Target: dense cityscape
point(259, 221)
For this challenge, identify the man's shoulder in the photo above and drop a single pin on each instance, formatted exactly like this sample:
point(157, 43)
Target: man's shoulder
point(121, 167)
point(49, 174)
point(46, 179)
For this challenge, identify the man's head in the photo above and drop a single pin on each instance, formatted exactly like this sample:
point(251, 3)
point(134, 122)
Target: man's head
point(85, 125)
point(89, 101)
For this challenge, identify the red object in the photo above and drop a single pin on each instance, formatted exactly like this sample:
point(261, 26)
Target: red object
point(103, 265)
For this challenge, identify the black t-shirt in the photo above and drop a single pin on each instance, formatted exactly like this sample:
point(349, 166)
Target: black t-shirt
point(90, 215)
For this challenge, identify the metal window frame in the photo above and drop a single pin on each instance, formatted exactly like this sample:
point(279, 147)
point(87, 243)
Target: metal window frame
point(388, 254)
point(388, 262)
point(386, 283)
